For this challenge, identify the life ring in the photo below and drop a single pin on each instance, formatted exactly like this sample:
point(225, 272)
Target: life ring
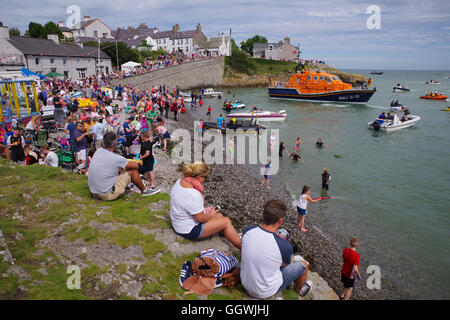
point(275, 84)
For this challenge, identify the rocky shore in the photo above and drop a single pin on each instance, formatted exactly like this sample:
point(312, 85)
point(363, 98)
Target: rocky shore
point(239, 194)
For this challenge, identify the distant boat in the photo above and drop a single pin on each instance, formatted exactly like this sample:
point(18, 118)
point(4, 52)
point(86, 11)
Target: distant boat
point(376, 72)
point(432, 82)
point(400, 88)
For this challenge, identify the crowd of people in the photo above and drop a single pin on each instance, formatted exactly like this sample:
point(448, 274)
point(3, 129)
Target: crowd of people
point(163, 61)
point(103, 148)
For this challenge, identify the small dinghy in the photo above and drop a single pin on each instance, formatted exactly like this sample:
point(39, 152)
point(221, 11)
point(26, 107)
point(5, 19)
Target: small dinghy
point(260, 115)
point(400, 88)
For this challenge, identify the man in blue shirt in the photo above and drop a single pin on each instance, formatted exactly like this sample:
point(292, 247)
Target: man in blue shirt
point(219, 123)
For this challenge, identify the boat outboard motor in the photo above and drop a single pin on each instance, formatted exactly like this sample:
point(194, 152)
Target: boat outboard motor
point(376, 125)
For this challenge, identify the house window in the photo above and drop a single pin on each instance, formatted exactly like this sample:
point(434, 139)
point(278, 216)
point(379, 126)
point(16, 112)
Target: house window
point(164, 42)
point(95, 33)
point(36, 60)
point(89, 61)
point(187, 49)
point(64, 61)
point(78, 61)
point(81, 73)
point(52, 60)
point(53, 69)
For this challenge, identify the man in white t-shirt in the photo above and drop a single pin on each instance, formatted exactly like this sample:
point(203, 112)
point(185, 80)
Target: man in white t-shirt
point(266, 266)
point(51, 159)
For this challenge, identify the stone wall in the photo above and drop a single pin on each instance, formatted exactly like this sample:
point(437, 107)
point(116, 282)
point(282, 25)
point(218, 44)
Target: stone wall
point(197, 74)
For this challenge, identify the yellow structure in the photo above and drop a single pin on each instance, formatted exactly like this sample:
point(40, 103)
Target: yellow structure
point(19, 93)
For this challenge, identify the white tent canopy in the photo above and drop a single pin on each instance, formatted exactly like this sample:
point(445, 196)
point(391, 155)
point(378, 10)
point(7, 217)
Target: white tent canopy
point(128, 66)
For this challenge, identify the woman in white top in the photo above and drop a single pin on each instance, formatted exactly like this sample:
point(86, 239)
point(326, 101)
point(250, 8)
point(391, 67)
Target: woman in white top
point(190, 219)
point(301, 207)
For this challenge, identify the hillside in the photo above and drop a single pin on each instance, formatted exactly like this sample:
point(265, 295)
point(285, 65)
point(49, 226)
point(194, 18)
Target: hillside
point(126, 249)
point(281, 71)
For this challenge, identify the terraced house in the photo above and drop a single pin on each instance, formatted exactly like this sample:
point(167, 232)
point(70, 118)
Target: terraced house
point(42, 56)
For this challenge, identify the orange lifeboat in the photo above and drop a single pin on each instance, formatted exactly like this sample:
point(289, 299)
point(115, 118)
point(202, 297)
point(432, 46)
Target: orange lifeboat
point(318, 86)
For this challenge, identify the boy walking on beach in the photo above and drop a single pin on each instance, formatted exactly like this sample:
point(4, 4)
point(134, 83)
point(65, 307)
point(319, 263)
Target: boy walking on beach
point(349, 269)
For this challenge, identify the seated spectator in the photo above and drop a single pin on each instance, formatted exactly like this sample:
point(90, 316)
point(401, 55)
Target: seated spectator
point(266, 266)
point(190, 219)
point(110, 173)
point(51, 159)
point(30, 156)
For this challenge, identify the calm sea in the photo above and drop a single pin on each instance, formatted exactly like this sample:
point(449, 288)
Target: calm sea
point(389, 189)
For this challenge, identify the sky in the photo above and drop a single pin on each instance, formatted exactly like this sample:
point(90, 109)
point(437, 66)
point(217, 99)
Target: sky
point(412, 35)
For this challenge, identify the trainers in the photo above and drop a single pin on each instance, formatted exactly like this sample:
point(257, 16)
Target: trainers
point(218, 283)
point(148, 192)
point(186, 272)
point(306, 289)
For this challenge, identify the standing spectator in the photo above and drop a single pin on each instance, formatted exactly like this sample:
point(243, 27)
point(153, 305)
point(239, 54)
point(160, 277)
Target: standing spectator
point(59, 111)
point(326, 178)
point(80, 144)
point(266, 266)
point(146, 155)
point(128, 129)
point(301, 207)
point(98, 130)
point(219, 123)
point(16, 143)
point(349, 269)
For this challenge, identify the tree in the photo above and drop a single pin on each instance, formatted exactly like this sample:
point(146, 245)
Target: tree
point(239, 60)
point(51, 28)
point(14, 32)
point(248, 44)
point(34, 30)
point(124, 52)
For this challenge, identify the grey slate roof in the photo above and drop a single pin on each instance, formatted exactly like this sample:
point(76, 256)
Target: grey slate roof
point(45, 47)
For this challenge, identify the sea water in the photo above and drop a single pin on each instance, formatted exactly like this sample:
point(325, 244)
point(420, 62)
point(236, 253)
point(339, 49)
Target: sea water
point(389, 189)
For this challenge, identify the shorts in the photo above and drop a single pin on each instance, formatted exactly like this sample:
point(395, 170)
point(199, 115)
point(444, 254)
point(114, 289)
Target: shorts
point(129, 141)
point(195, 233)
point(348, 283)
point(117, 190)
point(166, 135)
point(325, 186)
point(266, 177)
point(290, 273)
point(147, 165)
point(81, 155)
point(301, 211)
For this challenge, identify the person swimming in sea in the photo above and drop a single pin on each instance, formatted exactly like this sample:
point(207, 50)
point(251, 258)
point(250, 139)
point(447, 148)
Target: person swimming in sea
point(320, 144)
point(296, 157)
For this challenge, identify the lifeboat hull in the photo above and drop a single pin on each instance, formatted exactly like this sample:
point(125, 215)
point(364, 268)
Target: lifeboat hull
point(335, 96)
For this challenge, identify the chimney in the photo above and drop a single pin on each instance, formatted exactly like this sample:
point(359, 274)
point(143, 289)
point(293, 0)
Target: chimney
point(4, 31)
point(176, 28)
point(287, 40)
point(53, 37)
point(60, 24)
point(87, 18)
point(199, 27)
point(155, 30)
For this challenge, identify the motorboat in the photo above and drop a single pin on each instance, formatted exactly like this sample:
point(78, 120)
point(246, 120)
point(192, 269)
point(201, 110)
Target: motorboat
point(210, 92)
point(260, 115)
point(244, 126)
point(376, 72)
point(400, 88)
point(395, 124)
point(187, 96)
point(434, 96)
point(432, 82)
point(233, 105)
